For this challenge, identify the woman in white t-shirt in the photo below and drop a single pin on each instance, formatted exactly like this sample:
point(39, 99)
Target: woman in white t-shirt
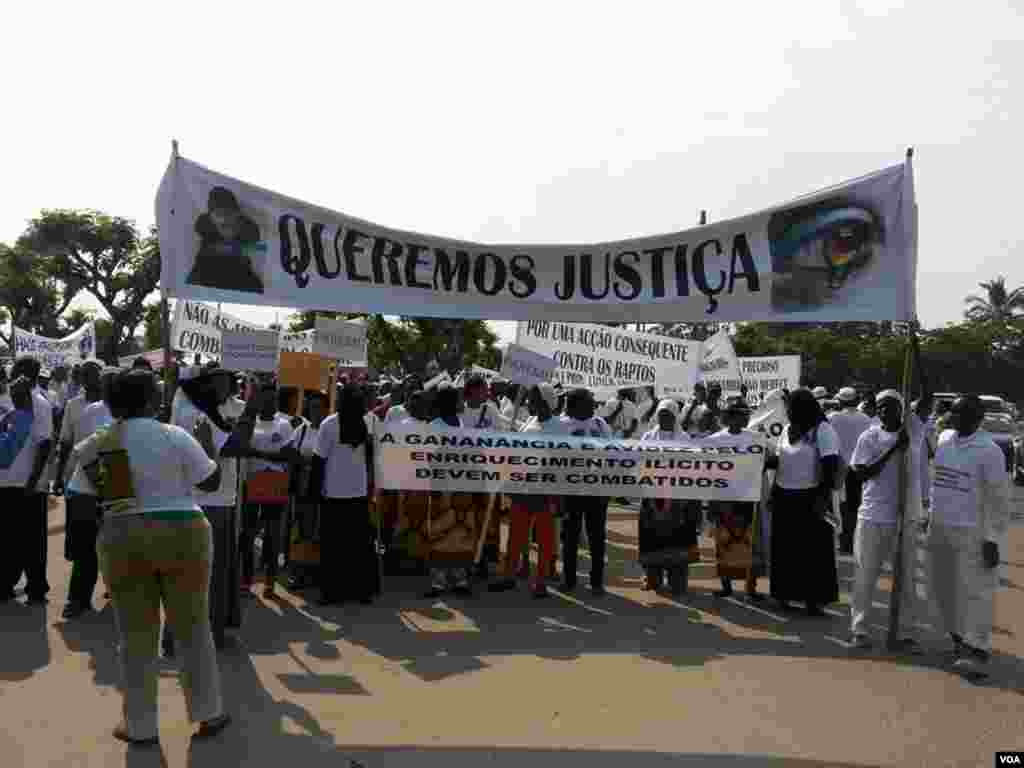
point(155, 550)
point(269, 450)
point(803, 559)
point(342, 482)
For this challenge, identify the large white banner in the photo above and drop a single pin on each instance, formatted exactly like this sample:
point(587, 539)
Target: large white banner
point(843, 253)
point(765, 374)
point(417, 457)
point(605, 359)
point(198, 328)
point(72, 349)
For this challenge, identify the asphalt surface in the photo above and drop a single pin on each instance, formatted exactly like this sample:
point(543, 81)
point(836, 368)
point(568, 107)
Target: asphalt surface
point(630, 679)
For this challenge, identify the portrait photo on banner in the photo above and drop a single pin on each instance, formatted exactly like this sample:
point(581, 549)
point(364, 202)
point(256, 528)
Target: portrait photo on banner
point(230, 241)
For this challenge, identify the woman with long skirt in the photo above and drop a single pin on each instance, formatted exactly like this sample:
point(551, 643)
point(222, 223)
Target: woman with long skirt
point(343, 479)
point(668, 527)
point(454, 519)
point(803, 559)
point(738, 549)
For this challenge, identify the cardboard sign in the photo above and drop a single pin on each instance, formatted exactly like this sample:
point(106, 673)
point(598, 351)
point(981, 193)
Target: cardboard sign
point(304, 370)
point(250, 350)
point(525, 367)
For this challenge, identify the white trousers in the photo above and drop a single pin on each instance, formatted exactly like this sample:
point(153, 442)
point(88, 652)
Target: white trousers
point(873, 545)
point(964, 588)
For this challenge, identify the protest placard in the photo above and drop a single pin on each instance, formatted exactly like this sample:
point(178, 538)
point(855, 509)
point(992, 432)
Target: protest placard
point(522, 366)
point(341, 340)
point(250, 350)
point(606, 359)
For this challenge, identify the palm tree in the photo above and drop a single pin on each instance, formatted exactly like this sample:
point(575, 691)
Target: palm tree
point(997, 305)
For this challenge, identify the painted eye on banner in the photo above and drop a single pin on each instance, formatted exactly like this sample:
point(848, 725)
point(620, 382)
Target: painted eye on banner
point(819, 253)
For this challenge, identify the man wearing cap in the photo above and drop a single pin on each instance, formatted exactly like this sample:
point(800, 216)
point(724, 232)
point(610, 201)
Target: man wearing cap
point(849, 423)
point(876, 459)
point(970, 513)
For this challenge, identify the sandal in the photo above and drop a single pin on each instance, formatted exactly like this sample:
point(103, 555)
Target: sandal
point(210, 728)
point(121, 733)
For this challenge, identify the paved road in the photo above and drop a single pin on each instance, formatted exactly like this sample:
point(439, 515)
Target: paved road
point(632, 679)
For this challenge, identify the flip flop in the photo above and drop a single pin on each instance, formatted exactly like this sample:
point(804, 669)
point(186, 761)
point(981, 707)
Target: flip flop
point(210, 728)
point(121, 733)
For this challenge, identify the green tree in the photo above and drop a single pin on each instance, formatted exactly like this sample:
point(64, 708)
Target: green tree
point(29, 294)
point(104, 255)
point(152, 323)
point(408, 344)
point(996, 305)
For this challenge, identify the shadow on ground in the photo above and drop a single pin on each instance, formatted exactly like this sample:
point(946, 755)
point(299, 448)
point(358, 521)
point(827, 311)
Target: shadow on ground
point(307, 752)
point(25, 644)
point(438, 639)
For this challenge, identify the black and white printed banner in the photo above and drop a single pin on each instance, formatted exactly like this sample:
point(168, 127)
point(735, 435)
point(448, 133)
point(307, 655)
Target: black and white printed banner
point(844, 253)
point(720, 468)
point(51, 353)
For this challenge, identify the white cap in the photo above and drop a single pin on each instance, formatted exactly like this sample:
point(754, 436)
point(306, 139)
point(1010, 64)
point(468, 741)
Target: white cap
point(847, 395)
point(888, 394)
point(668, 405)
point(819, 393)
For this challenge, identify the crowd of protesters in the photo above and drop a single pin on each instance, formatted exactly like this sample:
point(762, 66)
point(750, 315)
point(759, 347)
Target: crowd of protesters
point(181, 499)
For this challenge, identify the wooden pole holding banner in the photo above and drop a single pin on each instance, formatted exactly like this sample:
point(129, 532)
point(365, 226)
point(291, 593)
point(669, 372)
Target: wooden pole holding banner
point(493, 496)
point(898, 575)
point(165, 315)
point(898, 566)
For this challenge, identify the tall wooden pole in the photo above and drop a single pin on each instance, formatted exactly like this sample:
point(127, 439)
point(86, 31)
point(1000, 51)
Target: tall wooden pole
point(165, 315)
point(898, 565)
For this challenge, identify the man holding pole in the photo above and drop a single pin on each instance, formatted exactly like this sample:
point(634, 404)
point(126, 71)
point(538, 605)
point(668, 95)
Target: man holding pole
point(876, 461)
point(481, 413)
point(970, 512)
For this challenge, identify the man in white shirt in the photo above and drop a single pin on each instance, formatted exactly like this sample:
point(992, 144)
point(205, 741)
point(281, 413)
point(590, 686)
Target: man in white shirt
point(849, 423)
point(876, 460)
point(82, 417)
point(24, 500)
point(481, 413)
point(970, 515)
point(579, 421)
